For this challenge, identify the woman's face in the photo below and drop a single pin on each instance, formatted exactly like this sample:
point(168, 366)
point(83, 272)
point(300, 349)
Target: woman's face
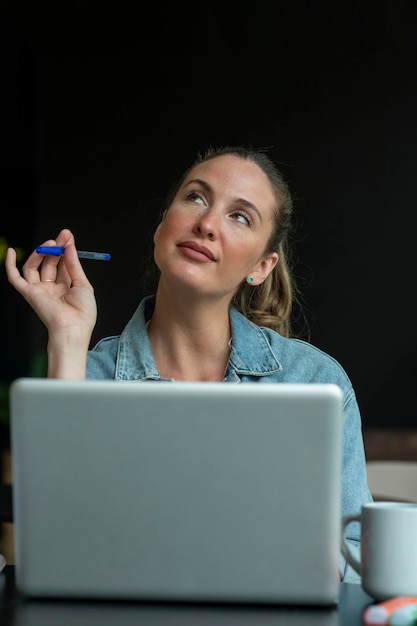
point(214, 234)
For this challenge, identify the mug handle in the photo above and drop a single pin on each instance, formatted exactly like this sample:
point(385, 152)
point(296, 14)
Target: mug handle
point(350, 558)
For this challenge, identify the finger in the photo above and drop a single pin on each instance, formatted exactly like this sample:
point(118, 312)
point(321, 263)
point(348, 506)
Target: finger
point(32, 266)
point(50, 264)
point(71, 269)
point(13, 274)
point(65, 237)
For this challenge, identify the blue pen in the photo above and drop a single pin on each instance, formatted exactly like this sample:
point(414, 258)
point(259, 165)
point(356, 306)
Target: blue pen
point(82, 254)
point(405, 616)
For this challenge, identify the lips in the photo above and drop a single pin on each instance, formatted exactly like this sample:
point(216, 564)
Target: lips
point(196, 251)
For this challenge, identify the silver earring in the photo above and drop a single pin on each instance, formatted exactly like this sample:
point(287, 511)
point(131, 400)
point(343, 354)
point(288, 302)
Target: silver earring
point(249, 279)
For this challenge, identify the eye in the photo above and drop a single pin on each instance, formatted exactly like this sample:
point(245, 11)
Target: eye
point(241, 217)
point(195, 197)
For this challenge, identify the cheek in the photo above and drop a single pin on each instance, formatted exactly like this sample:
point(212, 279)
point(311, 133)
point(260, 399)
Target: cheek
point(159, 251)
point(165, 235)
point(162, 232)
point(172, 224)
point(156, 234)
point(240, 249)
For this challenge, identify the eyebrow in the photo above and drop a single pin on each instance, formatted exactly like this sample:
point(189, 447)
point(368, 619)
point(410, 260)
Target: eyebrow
point(208, 187)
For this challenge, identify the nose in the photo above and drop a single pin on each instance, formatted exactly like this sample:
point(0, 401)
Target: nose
point(207, 224)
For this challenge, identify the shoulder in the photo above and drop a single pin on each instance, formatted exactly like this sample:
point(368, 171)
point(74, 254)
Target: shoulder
point(306, 360)
point(260, 351)
point(104, 360)
point(291, 348)
point(101, 360)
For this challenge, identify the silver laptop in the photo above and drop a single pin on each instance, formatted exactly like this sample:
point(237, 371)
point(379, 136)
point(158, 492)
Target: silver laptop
point(212, 492)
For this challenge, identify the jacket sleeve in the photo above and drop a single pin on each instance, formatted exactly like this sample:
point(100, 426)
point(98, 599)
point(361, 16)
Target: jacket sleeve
point(355, 491)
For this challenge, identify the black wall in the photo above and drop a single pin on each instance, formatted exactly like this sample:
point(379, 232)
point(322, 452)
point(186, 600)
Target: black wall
point(19, 195)
point(126, 101)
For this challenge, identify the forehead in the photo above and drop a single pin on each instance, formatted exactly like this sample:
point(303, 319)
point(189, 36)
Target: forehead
point(236, 177)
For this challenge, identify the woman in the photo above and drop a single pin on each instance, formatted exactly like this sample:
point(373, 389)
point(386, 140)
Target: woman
point(222, 306)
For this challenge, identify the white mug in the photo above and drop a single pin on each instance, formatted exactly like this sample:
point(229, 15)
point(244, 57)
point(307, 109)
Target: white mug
point(388, 561)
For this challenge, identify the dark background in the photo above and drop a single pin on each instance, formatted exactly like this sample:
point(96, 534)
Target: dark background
point(102, 108)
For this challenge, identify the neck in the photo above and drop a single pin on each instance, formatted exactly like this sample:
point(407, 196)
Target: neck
point(190, 341)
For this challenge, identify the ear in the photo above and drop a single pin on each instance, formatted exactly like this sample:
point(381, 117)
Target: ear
point(262, 270)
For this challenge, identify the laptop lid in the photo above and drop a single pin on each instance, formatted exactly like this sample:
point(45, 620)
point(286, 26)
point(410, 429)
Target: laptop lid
point(177, 491)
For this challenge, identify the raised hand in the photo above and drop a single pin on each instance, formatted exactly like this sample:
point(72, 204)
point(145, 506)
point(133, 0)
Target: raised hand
point(59, 292)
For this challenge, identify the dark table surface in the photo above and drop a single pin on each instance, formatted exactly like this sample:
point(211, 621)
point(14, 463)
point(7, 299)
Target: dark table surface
point(17, 610)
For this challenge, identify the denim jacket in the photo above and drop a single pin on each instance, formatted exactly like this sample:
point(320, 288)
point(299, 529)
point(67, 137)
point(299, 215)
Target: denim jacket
point(258, 355)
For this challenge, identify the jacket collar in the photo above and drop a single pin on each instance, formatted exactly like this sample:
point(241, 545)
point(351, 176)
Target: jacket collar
point(251, 353)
